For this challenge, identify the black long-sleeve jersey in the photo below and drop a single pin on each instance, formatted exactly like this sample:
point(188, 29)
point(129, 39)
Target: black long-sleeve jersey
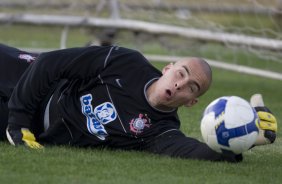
point(98, 97)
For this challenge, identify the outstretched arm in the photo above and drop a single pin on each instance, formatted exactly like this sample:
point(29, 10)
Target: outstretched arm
point(175, 144)
point(49, 68)
point(40, 78)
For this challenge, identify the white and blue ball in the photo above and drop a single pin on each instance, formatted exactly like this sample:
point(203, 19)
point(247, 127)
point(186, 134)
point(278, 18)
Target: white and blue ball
point(229, 123)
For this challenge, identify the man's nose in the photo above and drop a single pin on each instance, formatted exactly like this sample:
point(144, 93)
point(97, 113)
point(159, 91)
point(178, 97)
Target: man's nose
point(177, 86)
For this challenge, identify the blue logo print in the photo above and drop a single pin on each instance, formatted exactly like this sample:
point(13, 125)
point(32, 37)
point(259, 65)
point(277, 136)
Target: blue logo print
point(105, 113)
point(102, 114)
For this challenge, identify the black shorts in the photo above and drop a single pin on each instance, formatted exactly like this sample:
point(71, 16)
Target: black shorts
point(13, 63)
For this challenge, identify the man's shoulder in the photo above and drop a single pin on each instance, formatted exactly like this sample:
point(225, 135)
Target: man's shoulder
point(127, 51)
point(126, 56)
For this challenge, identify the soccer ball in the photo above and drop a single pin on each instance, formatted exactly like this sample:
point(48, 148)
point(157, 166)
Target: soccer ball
point(229, 123)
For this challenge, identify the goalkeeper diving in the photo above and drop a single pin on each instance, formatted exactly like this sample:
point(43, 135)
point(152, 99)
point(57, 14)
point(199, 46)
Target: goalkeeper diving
point(107, 96)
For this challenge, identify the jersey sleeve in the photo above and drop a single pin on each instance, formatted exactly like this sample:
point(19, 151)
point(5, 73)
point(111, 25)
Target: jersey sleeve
point(46, 71)
point(176, 144)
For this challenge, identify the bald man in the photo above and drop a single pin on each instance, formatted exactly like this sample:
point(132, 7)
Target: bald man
point(181, 84)
point(105, 97)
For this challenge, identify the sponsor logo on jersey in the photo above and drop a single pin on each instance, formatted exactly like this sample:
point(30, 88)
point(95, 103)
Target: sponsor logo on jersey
point(137, 125)
point(97, 118)
point(105, 113)
point(27, 57)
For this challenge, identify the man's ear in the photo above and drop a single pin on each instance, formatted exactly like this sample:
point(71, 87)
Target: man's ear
point(167, 67)
point(192, 102)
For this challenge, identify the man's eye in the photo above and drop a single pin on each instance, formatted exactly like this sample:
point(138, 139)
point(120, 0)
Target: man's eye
point(191, 89)
point(181, 74)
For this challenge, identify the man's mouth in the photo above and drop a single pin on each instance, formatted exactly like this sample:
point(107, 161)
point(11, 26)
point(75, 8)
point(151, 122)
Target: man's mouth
point(168, 93)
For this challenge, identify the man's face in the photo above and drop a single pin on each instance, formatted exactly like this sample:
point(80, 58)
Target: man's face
point(181, 84)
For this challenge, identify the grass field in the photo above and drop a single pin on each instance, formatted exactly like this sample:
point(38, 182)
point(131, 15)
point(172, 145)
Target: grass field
point(66, 165)
point(73, 165)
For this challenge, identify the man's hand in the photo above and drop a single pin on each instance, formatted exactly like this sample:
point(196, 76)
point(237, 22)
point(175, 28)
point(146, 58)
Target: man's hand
point(267, 122)
point(22, 136)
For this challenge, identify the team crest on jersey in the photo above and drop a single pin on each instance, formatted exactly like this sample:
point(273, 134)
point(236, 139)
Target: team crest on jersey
point(27, 57)
point(97, 118)
point(137, 125)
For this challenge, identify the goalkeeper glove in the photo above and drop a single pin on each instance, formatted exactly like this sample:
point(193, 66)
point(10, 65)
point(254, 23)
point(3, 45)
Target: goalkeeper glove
point(267, 123)
point(22, 136)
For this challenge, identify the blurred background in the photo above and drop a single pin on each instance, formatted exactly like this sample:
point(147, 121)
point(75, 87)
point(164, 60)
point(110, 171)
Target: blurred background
point(242, 35)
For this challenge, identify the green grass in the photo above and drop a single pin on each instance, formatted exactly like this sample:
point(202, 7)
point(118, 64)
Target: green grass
point(41, 36)
point(74, 165)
